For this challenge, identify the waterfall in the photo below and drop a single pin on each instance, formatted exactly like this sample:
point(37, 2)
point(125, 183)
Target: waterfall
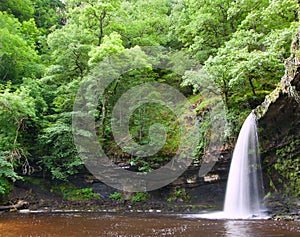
point(244, 190)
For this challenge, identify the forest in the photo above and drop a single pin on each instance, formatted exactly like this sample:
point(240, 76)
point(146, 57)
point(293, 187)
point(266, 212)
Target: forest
point(49, 47)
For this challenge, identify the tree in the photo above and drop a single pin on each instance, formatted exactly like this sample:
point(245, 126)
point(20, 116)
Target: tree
point(96, 17)
point(147, 23)
point(48, 13)
point(17, 55)
point(69, 49)
point(248, 65)
point(87, 24)
point(21, 9)
point(203, 26)
point(112, 44)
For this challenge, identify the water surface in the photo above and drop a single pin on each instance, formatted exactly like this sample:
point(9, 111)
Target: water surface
point(138, 224)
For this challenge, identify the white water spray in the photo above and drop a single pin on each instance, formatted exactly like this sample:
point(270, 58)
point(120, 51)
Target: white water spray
point(244, 190)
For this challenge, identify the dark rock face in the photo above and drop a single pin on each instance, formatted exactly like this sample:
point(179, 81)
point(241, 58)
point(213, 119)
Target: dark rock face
point(279, 131)
point(281, 122)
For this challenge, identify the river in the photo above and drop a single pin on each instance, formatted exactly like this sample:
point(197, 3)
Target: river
point(84, 224)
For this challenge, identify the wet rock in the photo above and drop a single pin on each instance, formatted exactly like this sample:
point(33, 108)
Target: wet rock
point(102, 189)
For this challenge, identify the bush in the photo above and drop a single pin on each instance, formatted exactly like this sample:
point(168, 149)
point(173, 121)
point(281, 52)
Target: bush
point(83, 194)
point(71, 193)
point(140, 197)
point(60, 155)
point(7, 174)
point(116, 196)
point(179, 195)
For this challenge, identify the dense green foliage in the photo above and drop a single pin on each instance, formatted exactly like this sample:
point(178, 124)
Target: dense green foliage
point(48, 47)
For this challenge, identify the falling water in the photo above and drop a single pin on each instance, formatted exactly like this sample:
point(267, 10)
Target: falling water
point(244, 186)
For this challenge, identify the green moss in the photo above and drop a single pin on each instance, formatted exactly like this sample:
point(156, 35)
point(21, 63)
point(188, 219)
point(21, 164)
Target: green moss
point(288, 167)
point(71, 193)
point(206, 206)
point(261, 110)
point(195, 98)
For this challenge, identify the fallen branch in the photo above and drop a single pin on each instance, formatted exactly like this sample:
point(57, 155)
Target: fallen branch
point(19, 205)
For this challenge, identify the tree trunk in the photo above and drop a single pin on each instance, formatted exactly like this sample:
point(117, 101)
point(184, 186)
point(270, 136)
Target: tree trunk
point(252, 86)
point(101, 25)
point(104, 114)
point(225, 92)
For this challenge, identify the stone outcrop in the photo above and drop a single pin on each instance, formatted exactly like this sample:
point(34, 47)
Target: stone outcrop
point(279, 129)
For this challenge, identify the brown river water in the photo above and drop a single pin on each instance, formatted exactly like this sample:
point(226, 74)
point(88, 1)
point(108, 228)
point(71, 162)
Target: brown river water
point(137, 224)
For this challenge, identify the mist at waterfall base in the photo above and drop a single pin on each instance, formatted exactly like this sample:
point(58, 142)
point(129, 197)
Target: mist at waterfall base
point(244, 192)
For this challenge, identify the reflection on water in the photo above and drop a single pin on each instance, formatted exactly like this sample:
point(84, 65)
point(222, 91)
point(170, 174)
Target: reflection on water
point(256, 228)
point(136, 225)
point(238, 228)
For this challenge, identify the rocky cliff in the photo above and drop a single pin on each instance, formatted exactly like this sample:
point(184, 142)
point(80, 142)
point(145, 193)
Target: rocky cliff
point(279, 130)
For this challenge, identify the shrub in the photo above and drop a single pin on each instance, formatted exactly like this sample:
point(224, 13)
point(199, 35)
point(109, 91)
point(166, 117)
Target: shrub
point(140, 197)
point(116, 196)
point(69, 192)
point(83, 194)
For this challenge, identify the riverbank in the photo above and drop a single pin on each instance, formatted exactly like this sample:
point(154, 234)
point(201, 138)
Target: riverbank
point(42, 196)
point(83, 194)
